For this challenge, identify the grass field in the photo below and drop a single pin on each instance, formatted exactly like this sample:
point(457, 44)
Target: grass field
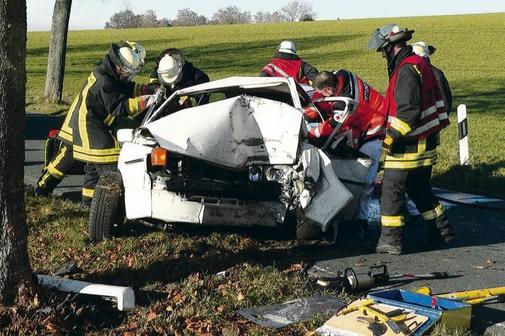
point(470, 51)
point(173, 273)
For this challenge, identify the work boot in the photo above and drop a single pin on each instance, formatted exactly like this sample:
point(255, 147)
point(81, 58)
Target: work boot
point(440, 229)
point(390, 241)
point(46, 184)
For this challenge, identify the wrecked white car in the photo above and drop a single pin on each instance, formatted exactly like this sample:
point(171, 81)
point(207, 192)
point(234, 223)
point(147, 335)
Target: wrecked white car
point(240, 160)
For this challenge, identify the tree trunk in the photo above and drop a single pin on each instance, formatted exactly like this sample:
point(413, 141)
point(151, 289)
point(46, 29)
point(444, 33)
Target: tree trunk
point(15, 270)
point(57, 50)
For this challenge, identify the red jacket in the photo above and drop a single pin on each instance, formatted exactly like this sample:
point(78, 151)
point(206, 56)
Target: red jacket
point(280, 67)
point(366, 122)
point(433, 114)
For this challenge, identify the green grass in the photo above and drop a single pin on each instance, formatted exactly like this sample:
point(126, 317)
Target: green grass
point(173, 273)
point(470, 52)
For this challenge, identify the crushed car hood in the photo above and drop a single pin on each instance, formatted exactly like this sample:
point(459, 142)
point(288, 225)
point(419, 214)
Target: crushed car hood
point(236, 132)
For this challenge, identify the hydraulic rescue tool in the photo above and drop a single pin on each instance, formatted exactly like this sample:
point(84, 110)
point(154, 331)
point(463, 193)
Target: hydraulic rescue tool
point(377, 276)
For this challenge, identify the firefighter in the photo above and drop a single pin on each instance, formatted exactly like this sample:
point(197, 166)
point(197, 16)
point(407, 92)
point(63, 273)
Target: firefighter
point(424, 50)
point(416, 113)
point(86, 133)
point(366, 124)
point(286, 63)
point(174, 72)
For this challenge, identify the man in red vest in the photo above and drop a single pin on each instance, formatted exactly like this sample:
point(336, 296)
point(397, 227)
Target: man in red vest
point(366, 124)
point(287, 64)
point(416, 113)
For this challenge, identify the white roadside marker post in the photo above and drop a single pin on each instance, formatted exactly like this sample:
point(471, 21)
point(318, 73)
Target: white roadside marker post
point(124, 296)
point(464, 153)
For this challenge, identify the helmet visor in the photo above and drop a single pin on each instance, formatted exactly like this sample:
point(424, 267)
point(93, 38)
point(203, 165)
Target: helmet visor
point(377, 41)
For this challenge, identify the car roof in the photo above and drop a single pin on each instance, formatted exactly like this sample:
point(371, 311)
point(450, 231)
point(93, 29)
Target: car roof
point(237, 81)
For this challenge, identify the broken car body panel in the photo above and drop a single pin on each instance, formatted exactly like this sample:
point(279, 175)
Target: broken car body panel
point(242, 160)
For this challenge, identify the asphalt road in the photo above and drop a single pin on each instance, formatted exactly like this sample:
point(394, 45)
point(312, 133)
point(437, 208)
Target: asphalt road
point(476, 257)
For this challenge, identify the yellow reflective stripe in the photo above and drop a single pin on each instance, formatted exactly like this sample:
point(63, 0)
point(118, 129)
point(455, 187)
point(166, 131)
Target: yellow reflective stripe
point(88, 192)
point(135, 106)
point(109, 120)
point(409, 164)
point(136, 90)
point(393, 221)
point(400, 126)
point(51, 167)
point(388, 140)
point(439, 210)
point(64, 135)
point(43, 179)
point(412, 156)
point(65, 127)
point(96, 159)
point(105, 151)
point(417, 70)
point(83, 111)
point(420, 154)
point(429, 215)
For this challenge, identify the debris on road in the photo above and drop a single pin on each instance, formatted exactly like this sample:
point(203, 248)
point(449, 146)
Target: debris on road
point(124, 296)
point(294, 311)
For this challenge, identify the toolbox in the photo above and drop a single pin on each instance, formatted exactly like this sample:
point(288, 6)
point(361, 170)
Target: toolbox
point(454, 314)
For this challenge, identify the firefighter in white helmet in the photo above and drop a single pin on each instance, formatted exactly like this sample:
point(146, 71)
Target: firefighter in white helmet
point(86, 134)
point(424, 50)
point(175, 73)
point(286, 63)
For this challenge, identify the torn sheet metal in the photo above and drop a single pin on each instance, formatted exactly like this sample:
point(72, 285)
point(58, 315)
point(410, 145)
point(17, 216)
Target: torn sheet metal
point(234, 132)
point(294, 311)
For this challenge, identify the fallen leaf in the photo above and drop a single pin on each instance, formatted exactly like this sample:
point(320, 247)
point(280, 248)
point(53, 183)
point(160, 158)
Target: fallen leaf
point(151, 316)
point(240, 296)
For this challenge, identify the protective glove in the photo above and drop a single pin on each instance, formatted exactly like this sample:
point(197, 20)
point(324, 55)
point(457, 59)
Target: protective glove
point(146, 89)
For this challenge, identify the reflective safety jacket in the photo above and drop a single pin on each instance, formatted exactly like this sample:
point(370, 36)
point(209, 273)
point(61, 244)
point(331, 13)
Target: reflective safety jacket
point(416, 113)
point(288, 65)
point(367, 120)
point(91, 117)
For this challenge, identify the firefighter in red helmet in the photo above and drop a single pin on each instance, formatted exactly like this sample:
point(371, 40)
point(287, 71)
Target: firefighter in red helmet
point(416, 113)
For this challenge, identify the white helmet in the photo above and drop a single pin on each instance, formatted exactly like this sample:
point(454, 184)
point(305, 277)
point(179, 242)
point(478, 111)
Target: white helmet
point(139, 50)
point(126, 60)
point(170, 69)
point(287, 46)
point(421, 49)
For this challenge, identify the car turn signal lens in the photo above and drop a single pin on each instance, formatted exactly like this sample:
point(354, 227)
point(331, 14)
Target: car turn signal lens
point(159, 157)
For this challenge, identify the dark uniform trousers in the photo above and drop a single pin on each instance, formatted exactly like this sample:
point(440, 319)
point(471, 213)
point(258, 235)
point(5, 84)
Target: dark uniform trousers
point(92, 172)
point(55, 170)
point(416, 184)
point(59, 167)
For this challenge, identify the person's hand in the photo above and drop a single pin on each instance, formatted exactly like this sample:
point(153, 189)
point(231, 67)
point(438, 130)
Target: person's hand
point(147, 89)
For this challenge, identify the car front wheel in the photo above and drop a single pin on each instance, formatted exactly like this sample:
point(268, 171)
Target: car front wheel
point(107, 206)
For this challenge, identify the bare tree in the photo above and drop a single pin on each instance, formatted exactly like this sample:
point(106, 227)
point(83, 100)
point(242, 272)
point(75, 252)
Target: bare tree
point(57, 50)
point(148, 19)
point(187, 17)
point(262, 17)
point(295, 11)
point(15, 270)
point(123, 19)
point(126, 18)
point(231, 15)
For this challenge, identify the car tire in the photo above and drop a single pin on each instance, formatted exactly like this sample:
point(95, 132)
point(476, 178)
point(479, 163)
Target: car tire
point(107, 206)
point(304, 230)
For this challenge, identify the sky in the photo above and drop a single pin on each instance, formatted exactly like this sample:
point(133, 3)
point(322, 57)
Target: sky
point(92, 14)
